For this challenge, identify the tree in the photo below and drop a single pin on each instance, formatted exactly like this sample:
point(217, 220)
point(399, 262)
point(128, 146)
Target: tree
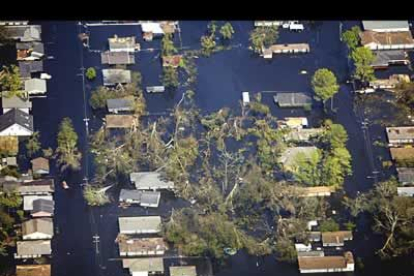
point(329, 226)
point(4, 34)
point(47, 153)
point(307, 169)
point(363, 57)
point(95, 196)
point(167, 45)
point(351, 37)
point(90, 73)
point(207, 45)
point(334, 136)
point(405, 96)
point(100, 96)
point(263, 37)
point(68, 154)
point(33, 144)
point(324, 84)
point(227, 31)
point(170, 77)
point(212, 27)
point(10, 81)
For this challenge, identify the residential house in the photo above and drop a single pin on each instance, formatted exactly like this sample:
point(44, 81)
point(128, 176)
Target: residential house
point(316, 191)
point(405, 175)
point(122, 44)
point(29, 199)
point(169, 27)
point(289, 155)
point(113, 77)
point(140, 225)
point(33, 270)
point(117, 58)
point(405, 191)
point(387, 41)
point(37, 187)
point(400, 135)
point(293, 122)
point(13, 23)
point(324, 264)
point(294, 48)
point(33, 249)
point(401, 154)
point(25, 33)
point(301, 247)
point(21, 103)
point(312, 253)
point(183, 271)
point(150, 181)
point(151, 30)
point(29, 67)
point(336, 238)
point(172, 61)
point(383, 59)
point(30, 50)
point(42, 208)
point(35, 86)
point(389, 83)
point(144, 198)
point(121, 121)
point(382, 26)
point(16, 123)
point(129, 247)
point(37, 229)
point(302, 134)
point(155, 89)
point(40, 165)
point(144, 266)
point(120, 104)
point(292, 99)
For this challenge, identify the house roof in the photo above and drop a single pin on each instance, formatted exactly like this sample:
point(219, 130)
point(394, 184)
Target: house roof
point(9, 144)
point(402, 153)
point(130, 194)
point(294, 122)
point(183, 271)
point(16, 116)
point(325, 262)
point(40, 247)
point(383, 58)
point(141, 244)
point(120, 121)
point(405, 191)
point(400, 133)
point(116, 76)
point(140, 224)
point(150, 180)
point(316, 190)
point(40, 163)
point(39, 225)
point(302, 134)
point(152, 27)
point(288, 157)
point(336, 237)
point(119, 43)
point(405, 175)
point(173, 61)
point(292, 99)
point(25, 32)
point(120, 103)
point(28, 200)
point(28, 67)
point(392, 81)
point(144, 264)
point(16, 102)
point(33, 270)
point(386, 38)
point(150, 198)
point(43, 205)
point(114, 58)
point(35, 85)
point(370, 25)
point(35, 46)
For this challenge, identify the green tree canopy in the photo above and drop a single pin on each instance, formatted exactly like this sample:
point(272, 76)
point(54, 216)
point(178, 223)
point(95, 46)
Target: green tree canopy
point(227, 31)
point(167, 45)
point(207, 45)
point(11, 82)
point(170, 77)
point(33, 144)
point(363, 57)
point(324, 84)
point(351, 37)
point(68, 154)
point(263, 37)
point(90, 73)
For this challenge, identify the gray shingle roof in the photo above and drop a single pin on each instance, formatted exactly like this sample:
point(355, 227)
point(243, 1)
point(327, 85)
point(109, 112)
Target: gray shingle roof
point(34, 46)
point(16, 116)
point(39, 225)
point(377, 24)
point(117, 58)
point(16, 102)
point(28, 67)
point(383, 58)
point(139, 225)
point(150, 181)
point(121, 104)
point(43, 205)
point(116, 76)
point(150, 199)
point(294, 99)
point(130, 194)
point(34, 248)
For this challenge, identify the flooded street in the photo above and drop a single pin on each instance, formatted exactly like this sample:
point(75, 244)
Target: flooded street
point(221, 79)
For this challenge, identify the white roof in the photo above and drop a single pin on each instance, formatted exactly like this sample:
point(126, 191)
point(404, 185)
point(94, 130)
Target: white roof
point(28, 201)
point(371, 25)
point(35, 85)
point(146, 224)
point(150, 181)
point(152, 27)
point(405, 191)
point(246, 97)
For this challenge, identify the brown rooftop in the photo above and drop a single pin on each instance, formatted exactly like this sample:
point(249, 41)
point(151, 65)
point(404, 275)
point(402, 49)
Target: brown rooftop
point(121, 121)
point(173, 61)
point(33, 270)
point(336, 237)
point(140, 244)
point(309, 191)
point(325, 262)
point(40, 163)
point(386, 38)
point(402, 153)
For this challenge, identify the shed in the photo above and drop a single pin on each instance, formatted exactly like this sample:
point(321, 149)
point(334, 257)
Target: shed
point(130, 196)
point(116, 76)
point(150, 181)
point(293, 99)
point(120, 104)
point(42, 208)
point(150, 199)
point(293, 122)
point(28, 200)
point(183, 271)
point(40, 165)
point(117, 58)
point(121, 121)
point(144, 198)
point(32, 249)
point(33, 270)
point(21, 103)
point(37, 229)
point(155, 89)
point(140, 225)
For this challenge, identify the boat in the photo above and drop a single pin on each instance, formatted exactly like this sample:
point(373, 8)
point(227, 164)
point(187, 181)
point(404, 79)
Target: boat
point(303, 72)
point(65, 185)
point(230, 251)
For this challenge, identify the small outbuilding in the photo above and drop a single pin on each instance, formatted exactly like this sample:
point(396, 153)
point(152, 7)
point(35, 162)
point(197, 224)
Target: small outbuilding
point(40, 165)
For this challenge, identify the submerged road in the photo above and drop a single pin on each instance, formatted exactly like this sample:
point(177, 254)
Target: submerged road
point(221, 79)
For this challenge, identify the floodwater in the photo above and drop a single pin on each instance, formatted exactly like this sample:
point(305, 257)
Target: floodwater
point(221, 79)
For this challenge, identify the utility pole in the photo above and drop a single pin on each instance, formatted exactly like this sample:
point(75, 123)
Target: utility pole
point(96, 242)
